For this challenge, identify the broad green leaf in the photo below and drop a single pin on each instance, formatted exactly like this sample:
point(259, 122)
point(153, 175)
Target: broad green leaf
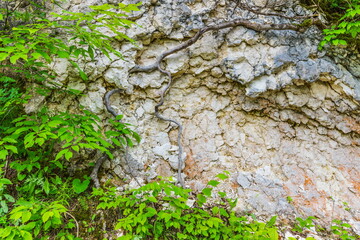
point(4, 207)
point(25, 216)
point(75, 148)
point(55, 123)
point(63, 54)
point(45, 217)
point(61, 153)
point(4, 181)
point(79, 186)
point(14, 58)
point(222, 176)
point(3, 154)
point(11, 148)
point(68, 155)
point(9, 140)
point(46, 186)
point(3, 56)
point(40, 141)
point(213, 183)
point(207, 191)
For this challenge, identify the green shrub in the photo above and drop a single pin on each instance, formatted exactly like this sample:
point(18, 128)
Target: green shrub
point(162, 210)
point(36, 150)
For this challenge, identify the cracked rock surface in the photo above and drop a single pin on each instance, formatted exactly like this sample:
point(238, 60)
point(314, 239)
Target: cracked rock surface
point(269, 107)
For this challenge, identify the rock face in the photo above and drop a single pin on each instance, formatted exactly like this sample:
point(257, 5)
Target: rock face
point(281, 116)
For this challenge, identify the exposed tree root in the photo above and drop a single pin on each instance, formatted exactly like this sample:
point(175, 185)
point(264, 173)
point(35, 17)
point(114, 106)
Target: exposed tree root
point(95, 171)
point(100, 161)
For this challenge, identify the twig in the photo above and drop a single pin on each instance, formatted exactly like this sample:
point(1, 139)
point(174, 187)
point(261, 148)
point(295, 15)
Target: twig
point(77, 224)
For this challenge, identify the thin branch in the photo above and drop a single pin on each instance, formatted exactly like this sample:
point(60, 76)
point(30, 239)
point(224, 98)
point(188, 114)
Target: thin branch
point(77, 224)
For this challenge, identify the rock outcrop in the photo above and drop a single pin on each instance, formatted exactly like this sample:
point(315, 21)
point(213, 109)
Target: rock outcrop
point(281, 116)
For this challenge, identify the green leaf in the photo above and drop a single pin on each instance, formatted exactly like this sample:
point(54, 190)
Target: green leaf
point(101, 7)
point(271, 222)
point(36, 55)
point(63, 54)
point(61, 153)
point(40, 141)
point(222, 176)
point(68, 155)
point(46, 186)
point(4, 207)
point(213, 183)
point(83, 75)
point(25, 216)
point(3, 56)
point(14, 58)
point(9, 140)
point(3, 154)
point(11, 148)
point(55, 123)
point(79, 186)
point(75, 148)
point(207, 191)
point(46, 216)
point(215, 210)
point(201, 198)
point(4, 181)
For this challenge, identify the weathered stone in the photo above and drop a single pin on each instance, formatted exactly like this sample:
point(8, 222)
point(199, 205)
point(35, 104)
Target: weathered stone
point(268, 107)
